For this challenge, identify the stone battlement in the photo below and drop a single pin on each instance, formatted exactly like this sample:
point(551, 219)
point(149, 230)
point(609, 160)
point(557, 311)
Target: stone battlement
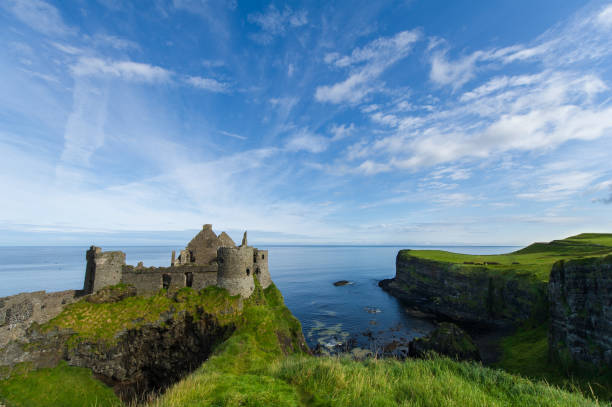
point(207, 260)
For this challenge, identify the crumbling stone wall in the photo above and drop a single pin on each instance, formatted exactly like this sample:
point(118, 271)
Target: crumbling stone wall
point(260, 265)
point(235, 270)
point(18, 312)
point(103, 269)
point(148, 280)
point(580, 294)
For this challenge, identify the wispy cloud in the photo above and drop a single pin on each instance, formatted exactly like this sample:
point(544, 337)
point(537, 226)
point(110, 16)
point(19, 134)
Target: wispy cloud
point(366, 65)
point(209, 84)
point(305, 140)
point(126, 70)
point(38, 15)
point(274, 22)
point(236, 136)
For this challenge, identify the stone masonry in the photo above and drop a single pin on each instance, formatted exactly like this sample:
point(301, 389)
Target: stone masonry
point(207, 260)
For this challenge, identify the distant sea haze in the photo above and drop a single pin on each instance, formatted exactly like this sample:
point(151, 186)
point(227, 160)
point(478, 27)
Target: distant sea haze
point(304, 274)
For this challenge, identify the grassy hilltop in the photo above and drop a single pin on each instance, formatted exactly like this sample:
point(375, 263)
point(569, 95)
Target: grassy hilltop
point(534, 261)
point(263, 363)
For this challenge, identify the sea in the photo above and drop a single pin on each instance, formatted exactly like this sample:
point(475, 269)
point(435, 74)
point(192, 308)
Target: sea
point(359, 313)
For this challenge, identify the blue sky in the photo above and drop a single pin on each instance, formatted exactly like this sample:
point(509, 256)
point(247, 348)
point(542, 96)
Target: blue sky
point(387, 122)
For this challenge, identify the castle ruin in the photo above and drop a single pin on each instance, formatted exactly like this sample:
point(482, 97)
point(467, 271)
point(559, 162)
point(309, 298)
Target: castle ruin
point(207, 260)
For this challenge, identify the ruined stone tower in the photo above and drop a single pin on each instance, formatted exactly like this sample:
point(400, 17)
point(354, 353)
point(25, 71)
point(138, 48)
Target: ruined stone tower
point(207, 260)
point(238, 265)
point(103, 269)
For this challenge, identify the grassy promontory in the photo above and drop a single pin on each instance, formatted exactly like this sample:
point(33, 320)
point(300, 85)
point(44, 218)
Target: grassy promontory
point(264, 363)
point(532, 262)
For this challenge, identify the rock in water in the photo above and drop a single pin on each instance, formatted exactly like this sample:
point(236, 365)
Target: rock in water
point(341, 282)
point(447, 339)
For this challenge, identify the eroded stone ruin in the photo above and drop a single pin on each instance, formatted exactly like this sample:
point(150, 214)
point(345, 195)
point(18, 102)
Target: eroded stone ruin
point(207, 260)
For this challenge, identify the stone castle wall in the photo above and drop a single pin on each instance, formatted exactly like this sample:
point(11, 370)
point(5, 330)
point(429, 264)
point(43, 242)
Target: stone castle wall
point(18, 312)
point(235, 270)
point(103, 269)
point(152, 279)
point(261, 267)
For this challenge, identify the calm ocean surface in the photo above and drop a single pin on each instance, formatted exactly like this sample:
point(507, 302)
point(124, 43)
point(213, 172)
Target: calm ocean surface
point(304, 274)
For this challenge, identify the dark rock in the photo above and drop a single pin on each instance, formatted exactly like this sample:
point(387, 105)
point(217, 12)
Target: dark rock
point(112, 294)
point(580, 294)
point(447, 339)
point(478, 297)
point(341, 282)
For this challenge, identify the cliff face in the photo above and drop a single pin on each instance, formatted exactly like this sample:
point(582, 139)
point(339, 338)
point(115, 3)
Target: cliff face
point(580, 293)
point(470, 294)
point(138, 345)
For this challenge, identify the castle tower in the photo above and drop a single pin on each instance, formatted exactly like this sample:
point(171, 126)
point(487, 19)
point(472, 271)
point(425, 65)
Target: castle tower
point(236, 270)
point(103, 269)
point(260, 265)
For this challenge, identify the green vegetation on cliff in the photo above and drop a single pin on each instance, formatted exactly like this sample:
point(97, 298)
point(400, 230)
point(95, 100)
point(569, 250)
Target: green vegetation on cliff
point(62, 385)
point(265, 362)
point(533, 261)
point(102, 321)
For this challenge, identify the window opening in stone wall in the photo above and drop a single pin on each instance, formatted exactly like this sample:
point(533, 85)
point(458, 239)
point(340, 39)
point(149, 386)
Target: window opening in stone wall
point(191, 256)
point(257, 270)
point(248, 272)
point(189, 279)
point(254, 257)
point(263, 256)
point(166, 279)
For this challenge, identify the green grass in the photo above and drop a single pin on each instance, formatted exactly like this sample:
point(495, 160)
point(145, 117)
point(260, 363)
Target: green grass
point(253, 368)
point(526, 353)
point(533, 261)
point(335, 381)
point(264, 363)
point(61, 386)
point(102, 322)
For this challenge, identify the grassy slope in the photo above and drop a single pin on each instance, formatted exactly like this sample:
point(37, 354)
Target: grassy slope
point(526, 352)
point(263, 364)
point(251, 369)
point(61, 386)
point(534, 261)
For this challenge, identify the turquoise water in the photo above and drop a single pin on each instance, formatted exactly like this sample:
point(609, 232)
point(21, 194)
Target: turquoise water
point(304, 274)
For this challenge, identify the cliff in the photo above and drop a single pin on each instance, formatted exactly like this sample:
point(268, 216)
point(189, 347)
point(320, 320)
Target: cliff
point(505, 289)
point(466, 293)
point(139, 345)
point(580, 293)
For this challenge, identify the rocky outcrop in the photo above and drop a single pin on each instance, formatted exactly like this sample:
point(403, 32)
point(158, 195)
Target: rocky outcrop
point(466, 293)
point(138, 361)
point(447, 339)
point(580, 293)
point(18, 312)
point(151, 357)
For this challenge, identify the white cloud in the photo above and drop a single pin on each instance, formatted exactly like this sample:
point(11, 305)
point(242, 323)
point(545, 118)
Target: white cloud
point(233, 135)
point(454, 73)
point(559, 185)
point(275, 22)
point(39, 15)
point(209, 84)
point(114, 42)
point(366, 65)
point(84, 132)
point(605, 16)
point(304, 140)
point(341, 131)
point(126, 70)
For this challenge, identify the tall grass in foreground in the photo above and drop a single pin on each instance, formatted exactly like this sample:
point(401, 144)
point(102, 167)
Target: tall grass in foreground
point(337, 381)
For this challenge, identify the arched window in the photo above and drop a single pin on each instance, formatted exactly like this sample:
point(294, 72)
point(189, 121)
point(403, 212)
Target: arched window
point(263, 256)
point(248, 271)
point(188, 279)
